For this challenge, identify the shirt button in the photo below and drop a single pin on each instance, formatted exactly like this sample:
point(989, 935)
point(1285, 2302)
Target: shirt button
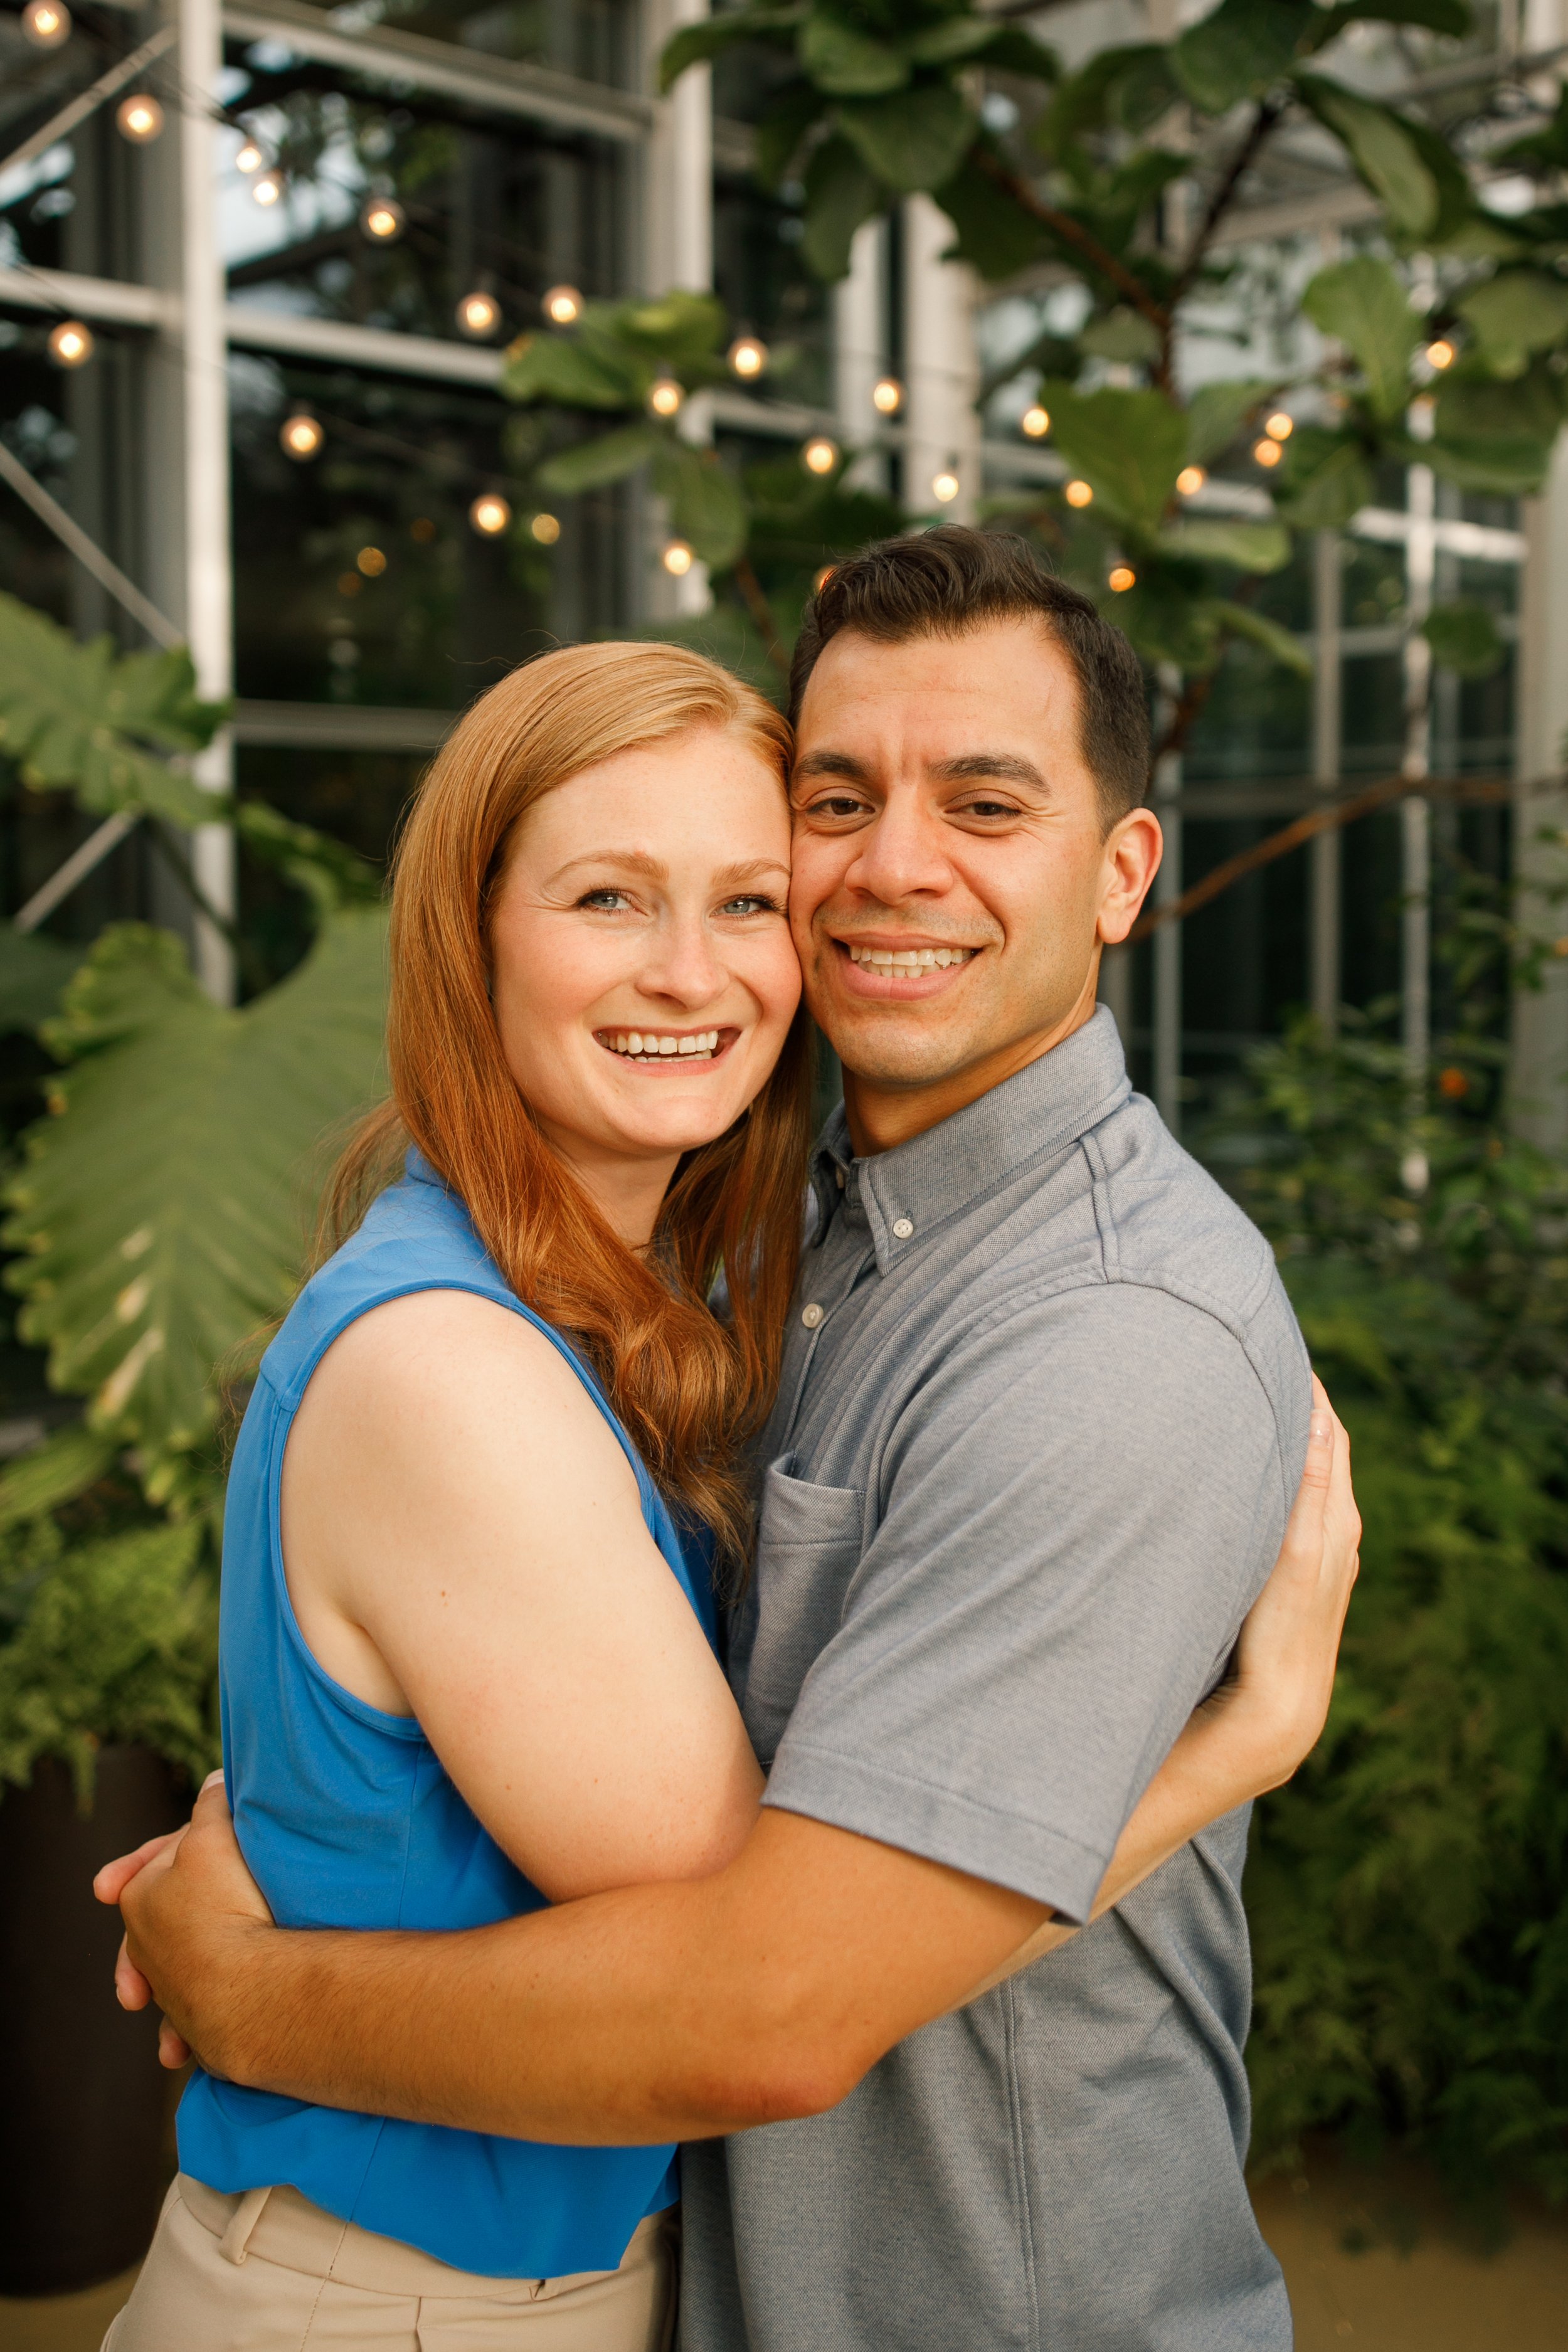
point(902, 1228)
point(811, 1315)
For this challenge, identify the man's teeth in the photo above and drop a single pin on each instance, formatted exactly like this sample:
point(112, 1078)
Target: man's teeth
point(909, 959)
point(699, 1046)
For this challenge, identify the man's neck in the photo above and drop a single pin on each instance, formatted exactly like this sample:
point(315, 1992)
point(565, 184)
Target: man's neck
point(882, 1115)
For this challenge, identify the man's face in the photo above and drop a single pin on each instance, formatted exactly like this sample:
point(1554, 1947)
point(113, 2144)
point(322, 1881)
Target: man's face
point(952, 882)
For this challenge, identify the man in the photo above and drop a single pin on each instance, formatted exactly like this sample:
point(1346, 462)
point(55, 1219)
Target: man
point(1043, 1412)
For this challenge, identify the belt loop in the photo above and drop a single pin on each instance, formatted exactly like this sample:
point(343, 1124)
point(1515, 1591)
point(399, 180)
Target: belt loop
point(235, 2243)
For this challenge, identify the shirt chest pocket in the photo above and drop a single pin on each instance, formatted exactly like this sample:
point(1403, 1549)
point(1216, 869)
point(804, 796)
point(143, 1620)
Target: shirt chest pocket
point(808, 1547)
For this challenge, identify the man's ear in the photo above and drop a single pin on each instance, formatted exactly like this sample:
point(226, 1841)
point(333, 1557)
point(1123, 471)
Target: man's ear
point(1134, 848)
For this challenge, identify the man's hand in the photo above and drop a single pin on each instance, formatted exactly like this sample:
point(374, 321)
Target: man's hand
point(186, 1899)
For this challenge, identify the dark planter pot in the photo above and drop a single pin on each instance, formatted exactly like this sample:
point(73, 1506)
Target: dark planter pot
point(81, 2092)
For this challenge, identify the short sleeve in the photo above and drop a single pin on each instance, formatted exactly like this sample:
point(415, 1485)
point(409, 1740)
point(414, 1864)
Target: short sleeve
point(1078, 1509)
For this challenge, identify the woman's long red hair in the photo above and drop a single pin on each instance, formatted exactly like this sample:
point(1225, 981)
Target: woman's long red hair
point(689, 1388)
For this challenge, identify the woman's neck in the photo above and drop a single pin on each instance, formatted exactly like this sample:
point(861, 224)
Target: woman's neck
point(629, 1192)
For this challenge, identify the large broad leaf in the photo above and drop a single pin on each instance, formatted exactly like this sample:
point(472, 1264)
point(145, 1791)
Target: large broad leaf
point(162, 1213)
point(1457, 223)
point(1224, 539)
point(33, 973)
point(1324, 480)
point(560, 368)
point(706, 504)
point(1464, 638)
point(841, 192)
point(1530, 408)
point(83, 717)
point(1384, 152)
point(1124, 336)
point(847, 62)
point(993, 235)
point(1169, 616)
point(782, 125)
point(694, 45)
point(677, 326)
point(1508, 467)
point(53, 1472)
point(950, 41)
point(1241, 621)
point(1011, 50)
point(1128, 446)
point(1126, 88)
point(1515, 313)
point(592, 464)
point(915, 138)
point(1242, 47)
point(1361, 304)
point(1216, 413)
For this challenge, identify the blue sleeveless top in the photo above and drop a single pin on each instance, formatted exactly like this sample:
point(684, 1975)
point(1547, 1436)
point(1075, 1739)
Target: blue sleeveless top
point(348, 1820)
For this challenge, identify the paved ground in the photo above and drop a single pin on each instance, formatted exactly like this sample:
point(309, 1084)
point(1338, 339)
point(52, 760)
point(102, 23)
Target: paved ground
point(1339, 2235)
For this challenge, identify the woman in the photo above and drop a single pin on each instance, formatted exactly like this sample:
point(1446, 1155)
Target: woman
point(469, 1630)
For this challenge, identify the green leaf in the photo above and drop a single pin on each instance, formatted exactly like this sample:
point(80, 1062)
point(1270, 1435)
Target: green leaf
point(1384, 152)
point(694, 45)
point(676, 328)
point(1129, 445)
point(1216, 413)
point(329, 873)
point(1464, 638)
point(560, 368)
point(1223, 539)
point(845, 62)
point(782, 125)
point(1124, 336)
point(1545, 149)
point(591, 465)
point(841, 192)
point(993, 234)
point(1011, 50)
point(1458, 219)
point(1471, 405)
point(914, 139)
point(1168, 618)
point(33, 972)
point(1242, 48)
point(1361, 304)
point(162, 1214)
point(53, 1471)
point(1241, 621)
point(1130, 86)
point(706, 504)
point(1507, 466)
point(1324, 480)
point(1515, 313)
point(949, 41)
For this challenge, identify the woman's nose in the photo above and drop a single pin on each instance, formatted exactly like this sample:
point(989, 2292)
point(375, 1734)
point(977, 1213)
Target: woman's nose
point(684, 965)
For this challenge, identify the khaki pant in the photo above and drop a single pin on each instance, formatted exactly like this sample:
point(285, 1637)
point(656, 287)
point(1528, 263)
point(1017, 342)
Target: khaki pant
point(270, 2272)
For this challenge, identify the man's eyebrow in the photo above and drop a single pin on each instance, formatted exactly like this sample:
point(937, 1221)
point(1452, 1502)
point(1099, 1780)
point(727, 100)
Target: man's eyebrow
point(1011, 765)
point(832, 764)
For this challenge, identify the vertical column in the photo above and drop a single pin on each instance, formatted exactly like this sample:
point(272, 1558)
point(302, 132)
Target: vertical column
point(678, 242)
point(1325, 952)
point(860, 357)
point(941, 367)
point(1168, 938)
point(208, 586)
point(1540, 1019)
point(1415, 813)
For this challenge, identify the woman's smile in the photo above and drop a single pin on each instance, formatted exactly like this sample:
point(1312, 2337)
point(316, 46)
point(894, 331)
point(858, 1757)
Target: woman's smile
point(662, 1048)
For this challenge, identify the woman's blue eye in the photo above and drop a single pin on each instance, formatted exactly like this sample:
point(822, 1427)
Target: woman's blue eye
point(600, 898)
point(750, 903)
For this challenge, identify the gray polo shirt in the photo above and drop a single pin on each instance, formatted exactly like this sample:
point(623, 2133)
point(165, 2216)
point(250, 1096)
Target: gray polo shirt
point(1043, 1412)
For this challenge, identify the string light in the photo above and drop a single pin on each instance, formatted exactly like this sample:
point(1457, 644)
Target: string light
point(945, 487)
point(747, 356)
point(820, 455)
point(46, 23)
point(422, 530)
point(1079, 494)
point(563, 306)
point(1036, 422)
point(268, 188)
point(383, 219)
point(301, 436)
point(1268, 453)
point(71, 343)
point(1441, 353)
point(138, 118)
point(665, 397)
point(490, 514)
point(887, 396)
point(1280, 426)
point(1123, 577)
point(250, 158)
point(1190, 480)
point(371, 562)
point(678, 559)
point(478, 314)
point(545, 529)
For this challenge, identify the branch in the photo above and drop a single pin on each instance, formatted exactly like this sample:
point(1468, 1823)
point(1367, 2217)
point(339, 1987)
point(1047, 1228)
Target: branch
point(1068, 231)
point(755, 597)
point(1184, 717)
point(1219, 204)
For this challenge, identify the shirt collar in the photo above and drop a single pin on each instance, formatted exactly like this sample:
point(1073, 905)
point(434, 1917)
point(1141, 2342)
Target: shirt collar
point(905, 1192)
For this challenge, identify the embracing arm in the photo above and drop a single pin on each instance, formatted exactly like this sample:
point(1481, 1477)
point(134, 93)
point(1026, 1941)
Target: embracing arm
point(764, 1991)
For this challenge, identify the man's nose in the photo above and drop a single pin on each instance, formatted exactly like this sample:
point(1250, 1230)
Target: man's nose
point(901, 854)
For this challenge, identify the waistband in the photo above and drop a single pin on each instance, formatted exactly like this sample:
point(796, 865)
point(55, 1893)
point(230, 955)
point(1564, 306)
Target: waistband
point(281, 2226)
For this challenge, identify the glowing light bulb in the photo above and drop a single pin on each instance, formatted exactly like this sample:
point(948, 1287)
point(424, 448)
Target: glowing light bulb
point(1122, 577)
point(1268, 453)
point(267, 188)
point(250, 159)
point(747, 356)
point(71, 343)
point(490, 514)
point(1079, 494)
point(371, 562)
point(665, 397)
point(301, 436)
point(820, 455)
point(1280, 426)
point(478, 314)
point(887, 396)
point(1190, 480)
point(46, 23)
point(1036, 422)
point(138, 118)
point(545, 529)
point(382, 219)
point(678, 559)
point(1441, 353)
point(945, 487)
point(563, 306)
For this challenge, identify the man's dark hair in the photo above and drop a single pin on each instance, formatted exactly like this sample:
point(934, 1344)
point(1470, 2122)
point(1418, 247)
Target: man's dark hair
point(944, 583)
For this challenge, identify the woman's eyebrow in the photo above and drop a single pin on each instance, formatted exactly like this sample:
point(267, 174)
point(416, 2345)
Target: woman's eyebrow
point(750, 869)
point(629, 861)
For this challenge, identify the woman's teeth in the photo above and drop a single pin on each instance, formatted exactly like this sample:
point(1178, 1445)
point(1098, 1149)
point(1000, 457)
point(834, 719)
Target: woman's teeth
point(908, 958)
point(701, 1046)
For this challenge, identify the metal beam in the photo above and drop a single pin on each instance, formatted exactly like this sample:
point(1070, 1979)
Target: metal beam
point(289, 332)
point(109, 299)
point(88, 100)
point(86, 552)
point(343, 725)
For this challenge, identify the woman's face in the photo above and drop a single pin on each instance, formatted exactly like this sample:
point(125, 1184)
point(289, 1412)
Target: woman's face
point(642, 970)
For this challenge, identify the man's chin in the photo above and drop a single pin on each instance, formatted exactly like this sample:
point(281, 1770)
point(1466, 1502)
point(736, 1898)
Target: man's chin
point(886, 1046)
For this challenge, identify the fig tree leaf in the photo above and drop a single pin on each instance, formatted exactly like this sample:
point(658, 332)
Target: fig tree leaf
point(1216, 413)
point(1464, 638)
point(1124, 336)
point(562, 369)
point(1241, 621)
point(707, 505)
point(694, 45)
point(994, 235)
point(1226, 539)
point(1382, 149)
point(1362, 305)
point(1324, 480)
point(916, 139)
point(591, 465)
point(782, 125)
point(1517, 312)
point(1128, 446)
point(847, 62)
point(1508, 466)
point(1241, 48)
point(841, 192)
